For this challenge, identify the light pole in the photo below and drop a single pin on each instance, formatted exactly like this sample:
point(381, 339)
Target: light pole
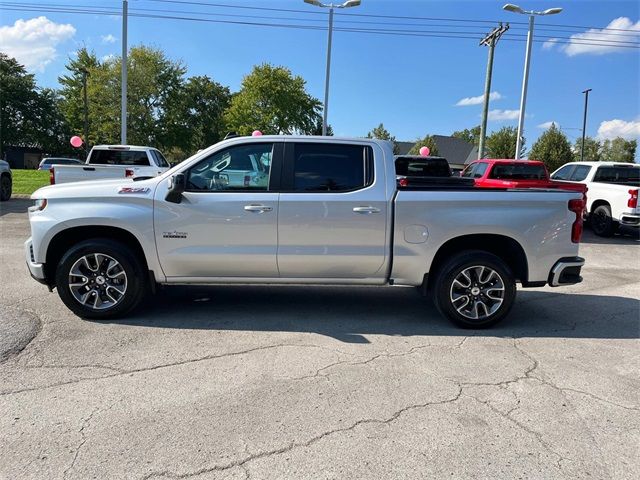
point(527, 59)
point(330, 6)
point(123, 101)
point(584, 121)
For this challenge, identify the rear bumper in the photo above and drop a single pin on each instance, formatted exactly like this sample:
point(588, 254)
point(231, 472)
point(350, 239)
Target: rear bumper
point(630, 220)
point(566, 271)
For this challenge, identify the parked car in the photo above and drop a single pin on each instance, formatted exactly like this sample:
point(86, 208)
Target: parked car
point(49, 162)
point(6, 181)
point(490, 173)
point(330, 213)
point(112, 161)
point(613, 193)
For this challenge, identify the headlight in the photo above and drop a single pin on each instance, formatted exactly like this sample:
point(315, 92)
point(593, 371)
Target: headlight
point(39, 205)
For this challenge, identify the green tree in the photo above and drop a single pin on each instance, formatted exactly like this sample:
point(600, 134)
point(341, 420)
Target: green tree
point(619, 150)
point(317, 129)
point(502, 143)
point(552, 148)
point(592, 150)
point(427, 141)
point(273, 101)
point(29, 116)
point(471, 136)
point(382, 133)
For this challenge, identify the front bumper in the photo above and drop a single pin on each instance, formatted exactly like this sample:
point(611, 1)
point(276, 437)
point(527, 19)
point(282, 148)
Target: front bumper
point(35, 269)
point(566, 271)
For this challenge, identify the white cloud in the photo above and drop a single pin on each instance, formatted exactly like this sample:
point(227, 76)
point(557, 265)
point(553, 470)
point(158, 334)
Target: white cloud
point(608, 40)
point(465, 102)
point(548, 124)
point(610, 129)
point(503, 114)
point(108, 39)
point(33, 42)
point(108, 57)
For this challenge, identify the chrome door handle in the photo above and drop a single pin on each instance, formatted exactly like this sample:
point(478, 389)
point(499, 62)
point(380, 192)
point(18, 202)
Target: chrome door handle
point(257, 208)
point(366, 210)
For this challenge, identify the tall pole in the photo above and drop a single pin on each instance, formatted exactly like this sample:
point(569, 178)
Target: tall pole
point(86, 110)
point(525, 81)
point(491, 39)
point(584, 121)
point(123, 109)
point(325, 110)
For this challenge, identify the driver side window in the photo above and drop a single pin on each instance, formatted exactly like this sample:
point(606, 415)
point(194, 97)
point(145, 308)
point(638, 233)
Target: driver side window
point(240, 168)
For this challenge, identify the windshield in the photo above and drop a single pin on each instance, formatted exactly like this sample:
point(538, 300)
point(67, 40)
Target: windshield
point(518, 171)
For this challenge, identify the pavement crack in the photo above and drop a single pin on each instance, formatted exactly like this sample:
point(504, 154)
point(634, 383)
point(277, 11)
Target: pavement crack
point(83, 439)
point(295, 445)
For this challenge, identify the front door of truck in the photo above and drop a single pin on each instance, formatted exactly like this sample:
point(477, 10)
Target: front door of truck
point(226, 224)
point(332, 216)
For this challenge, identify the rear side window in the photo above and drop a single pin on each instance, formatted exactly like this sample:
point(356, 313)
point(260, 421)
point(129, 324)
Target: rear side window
point(580, 173)
point(621, 175)
point(159, 158)
point(319, 167)
point(564, 173)
point(119, 157)
point(518, 171)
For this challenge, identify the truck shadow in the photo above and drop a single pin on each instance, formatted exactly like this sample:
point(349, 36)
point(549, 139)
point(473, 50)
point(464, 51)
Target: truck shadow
point(15, 205)
point(349, 314)
point(624, 236)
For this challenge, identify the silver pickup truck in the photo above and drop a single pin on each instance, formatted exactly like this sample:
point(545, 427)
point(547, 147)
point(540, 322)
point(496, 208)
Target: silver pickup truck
point(330, 212)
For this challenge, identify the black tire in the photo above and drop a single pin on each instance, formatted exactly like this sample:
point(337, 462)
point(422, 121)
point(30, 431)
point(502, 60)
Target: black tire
point(601, 222)
point(5, 188)
point(489, 295)
point(116, 270)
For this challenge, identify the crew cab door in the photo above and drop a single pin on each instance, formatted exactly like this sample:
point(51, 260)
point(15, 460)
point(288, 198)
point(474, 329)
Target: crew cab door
point(332, 216)
point(225, 225)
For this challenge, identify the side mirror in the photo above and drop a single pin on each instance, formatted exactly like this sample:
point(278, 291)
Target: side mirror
point(176, 188)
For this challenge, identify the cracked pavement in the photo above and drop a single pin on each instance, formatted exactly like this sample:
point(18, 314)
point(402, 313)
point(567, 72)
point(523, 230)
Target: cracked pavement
point(286, 382)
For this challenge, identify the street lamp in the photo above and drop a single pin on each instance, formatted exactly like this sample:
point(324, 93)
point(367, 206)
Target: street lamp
point(527, 59)
point(330, 6)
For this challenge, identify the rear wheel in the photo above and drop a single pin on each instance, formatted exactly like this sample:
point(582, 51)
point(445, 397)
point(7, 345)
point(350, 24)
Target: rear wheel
point(475, 289)
point(5, 188)
point(100, 279)
point(601, 222)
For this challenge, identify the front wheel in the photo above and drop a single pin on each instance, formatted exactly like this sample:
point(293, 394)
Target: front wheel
point(100, 279)
point(475, 289)
point(5, 188)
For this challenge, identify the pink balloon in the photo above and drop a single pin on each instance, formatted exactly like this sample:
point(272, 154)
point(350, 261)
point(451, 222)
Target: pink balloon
point(76, 141)
point(424, 151)
point(256, 133)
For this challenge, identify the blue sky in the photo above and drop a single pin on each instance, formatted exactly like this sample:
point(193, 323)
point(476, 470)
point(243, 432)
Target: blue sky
point(410, 83)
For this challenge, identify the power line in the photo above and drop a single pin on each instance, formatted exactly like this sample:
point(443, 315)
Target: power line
point(348, 29)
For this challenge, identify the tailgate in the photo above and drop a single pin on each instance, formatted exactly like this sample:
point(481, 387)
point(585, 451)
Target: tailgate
point(83, 173)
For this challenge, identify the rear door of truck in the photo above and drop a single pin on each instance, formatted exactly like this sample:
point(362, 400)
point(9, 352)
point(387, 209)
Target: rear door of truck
point(333, 212)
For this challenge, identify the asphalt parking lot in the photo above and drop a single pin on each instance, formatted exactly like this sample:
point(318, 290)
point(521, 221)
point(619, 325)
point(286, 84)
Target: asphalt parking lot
point(288, 382)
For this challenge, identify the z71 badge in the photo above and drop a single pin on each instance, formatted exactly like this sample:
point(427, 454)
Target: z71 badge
point(126, 190)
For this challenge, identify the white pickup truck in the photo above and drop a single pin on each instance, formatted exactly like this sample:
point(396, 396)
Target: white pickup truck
point(612, 193)
point(330, 212)
point(112, 161)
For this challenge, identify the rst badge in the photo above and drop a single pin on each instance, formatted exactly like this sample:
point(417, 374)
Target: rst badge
point(127, 190)
point(174, 234)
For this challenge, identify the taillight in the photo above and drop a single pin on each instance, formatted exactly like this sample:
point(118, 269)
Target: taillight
point(128, 172)
point(52, 176)
point(633, 199)
point(403, 182)
point(576, 206)
point(247, 180)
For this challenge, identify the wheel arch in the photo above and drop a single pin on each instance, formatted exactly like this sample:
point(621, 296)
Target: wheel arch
point(65, 239)
point(598, 203)
point(506, 248)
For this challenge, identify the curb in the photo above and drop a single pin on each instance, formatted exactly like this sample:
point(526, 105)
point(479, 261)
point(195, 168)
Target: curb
point(24, 196)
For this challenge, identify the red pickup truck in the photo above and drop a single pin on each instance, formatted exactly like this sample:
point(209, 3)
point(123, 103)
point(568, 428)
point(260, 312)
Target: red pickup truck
point(490, 173)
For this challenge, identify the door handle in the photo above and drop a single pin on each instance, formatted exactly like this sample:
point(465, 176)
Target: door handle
point(257, 208)
point(366, 210)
